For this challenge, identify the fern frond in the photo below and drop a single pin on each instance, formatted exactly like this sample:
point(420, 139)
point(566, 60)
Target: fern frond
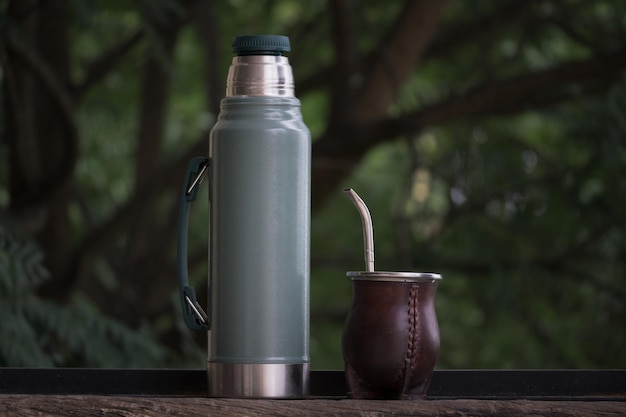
point(21, 262)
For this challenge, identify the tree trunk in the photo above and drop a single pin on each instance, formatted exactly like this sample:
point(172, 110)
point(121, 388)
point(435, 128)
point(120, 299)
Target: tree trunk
point(341, 148)
point(42, 132)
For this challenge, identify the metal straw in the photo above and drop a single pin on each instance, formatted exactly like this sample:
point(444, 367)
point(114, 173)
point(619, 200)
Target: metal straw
point(368, 230)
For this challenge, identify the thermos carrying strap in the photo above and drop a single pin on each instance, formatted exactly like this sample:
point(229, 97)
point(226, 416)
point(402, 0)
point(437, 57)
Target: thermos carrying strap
point(194, 316)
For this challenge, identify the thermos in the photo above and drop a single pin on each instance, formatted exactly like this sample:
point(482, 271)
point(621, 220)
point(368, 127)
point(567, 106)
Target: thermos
point(258, 169)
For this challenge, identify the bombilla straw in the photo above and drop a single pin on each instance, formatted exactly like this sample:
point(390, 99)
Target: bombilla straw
point(368, 230)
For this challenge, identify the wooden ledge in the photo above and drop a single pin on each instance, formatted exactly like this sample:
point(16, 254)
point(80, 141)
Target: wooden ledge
point(179, 392)
point(87, 406)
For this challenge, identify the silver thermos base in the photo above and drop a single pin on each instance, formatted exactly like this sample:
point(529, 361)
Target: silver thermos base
point(258, 380)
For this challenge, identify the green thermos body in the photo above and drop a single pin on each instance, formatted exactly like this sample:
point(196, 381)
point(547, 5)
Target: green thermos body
point(258, 169)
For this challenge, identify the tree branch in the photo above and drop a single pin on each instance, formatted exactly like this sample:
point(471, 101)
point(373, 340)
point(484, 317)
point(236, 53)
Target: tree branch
point(206, 23)
point(170, 178)
point(337, 152)
point(397, 57)
point(154, 99)
point(346, 59)
point(475, 31)
point(510, 95)
point(155, 91)
point(107, 61)
point(443, 45)
point(59, 94)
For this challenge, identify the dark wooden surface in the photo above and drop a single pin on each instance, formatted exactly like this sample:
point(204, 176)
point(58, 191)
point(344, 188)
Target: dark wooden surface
point(103, 406)
point(179, 392)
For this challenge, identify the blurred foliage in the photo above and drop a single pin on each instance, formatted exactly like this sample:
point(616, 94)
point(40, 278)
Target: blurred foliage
point(41, 333)
point(524, 219)
point(522, 214)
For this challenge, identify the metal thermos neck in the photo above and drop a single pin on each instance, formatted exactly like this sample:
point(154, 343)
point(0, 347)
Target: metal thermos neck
point(260, 75)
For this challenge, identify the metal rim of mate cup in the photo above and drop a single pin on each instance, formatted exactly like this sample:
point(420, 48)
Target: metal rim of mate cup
point(388, 276)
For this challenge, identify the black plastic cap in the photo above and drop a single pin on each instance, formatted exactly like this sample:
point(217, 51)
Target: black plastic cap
point(261, 45)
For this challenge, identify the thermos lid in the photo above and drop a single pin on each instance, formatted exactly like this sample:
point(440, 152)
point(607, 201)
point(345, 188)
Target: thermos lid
point(260, 45)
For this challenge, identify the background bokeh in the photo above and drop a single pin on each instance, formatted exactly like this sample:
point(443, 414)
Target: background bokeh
point(487, 137)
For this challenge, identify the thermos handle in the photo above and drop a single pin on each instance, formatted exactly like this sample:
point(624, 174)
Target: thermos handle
point(194, 316)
